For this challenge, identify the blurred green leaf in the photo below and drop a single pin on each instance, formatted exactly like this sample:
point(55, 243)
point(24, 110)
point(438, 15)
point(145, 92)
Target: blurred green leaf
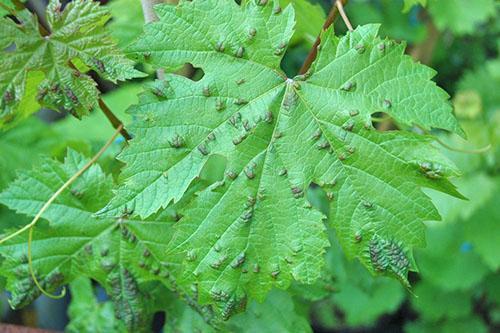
point(127, 20)
point(408, 4)
point(461, 16)
point(466, 325)
point(309, 20)
point(434, 303)
point(276, 314)
point(447, 261)
point(485, 81)
point(360, 296)
point(86, 314)
point(482, 230)
point(397, 25)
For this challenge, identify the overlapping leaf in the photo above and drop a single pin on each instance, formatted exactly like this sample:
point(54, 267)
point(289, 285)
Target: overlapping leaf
point(119, 253)
point(254, 230)
point(36, 68)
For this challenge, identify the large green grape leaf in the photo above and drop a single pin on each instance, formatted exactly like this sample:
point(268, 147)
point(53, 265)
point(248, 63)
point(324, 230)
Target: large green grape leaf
point(35, 69)
point(115, 252)
point(254, 230)
point(461, 16)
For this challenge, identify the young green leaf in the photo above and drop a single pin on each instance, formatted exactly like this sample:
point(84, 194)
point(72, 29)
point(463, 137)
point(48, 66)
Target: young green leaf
point(254, 230)
point(36, 69)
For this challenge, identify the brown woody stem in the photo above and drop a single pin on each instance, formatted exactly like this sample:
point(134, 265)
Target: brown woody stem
point(113, 119)
point(314, 50)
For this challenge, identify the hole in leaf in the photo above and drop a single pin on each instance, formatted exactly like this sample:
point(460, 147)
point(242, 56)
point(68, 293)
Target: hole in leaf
point(191, 72)
point(318, 198)
point(158, 321)
point(382, 121)
point(213, 171)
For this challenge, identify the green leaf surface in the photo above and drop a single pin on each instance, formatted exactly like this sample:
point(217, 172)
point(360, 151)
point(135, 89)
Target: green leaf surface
point(254, 230)
point(35, 69)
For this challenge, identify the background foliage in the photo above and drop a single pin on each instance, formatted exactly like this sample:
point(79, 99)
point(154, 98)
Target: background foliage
point(458, 286)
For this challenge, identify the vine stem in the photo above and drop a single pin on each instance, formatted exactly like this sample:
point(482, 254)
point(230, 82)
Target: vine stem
point(31, 225)
point(314, 50)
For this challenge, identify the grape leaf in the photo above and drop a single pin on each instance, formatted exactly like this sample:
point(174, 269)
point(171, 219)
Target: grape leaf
point(254, 230)
point(74, 243)
point(461, 16)
point(35, 61)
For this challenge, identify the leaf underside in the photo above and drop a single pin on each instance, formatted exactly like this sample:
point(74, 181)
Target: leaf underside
point(36, 70)
point(253, 230)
